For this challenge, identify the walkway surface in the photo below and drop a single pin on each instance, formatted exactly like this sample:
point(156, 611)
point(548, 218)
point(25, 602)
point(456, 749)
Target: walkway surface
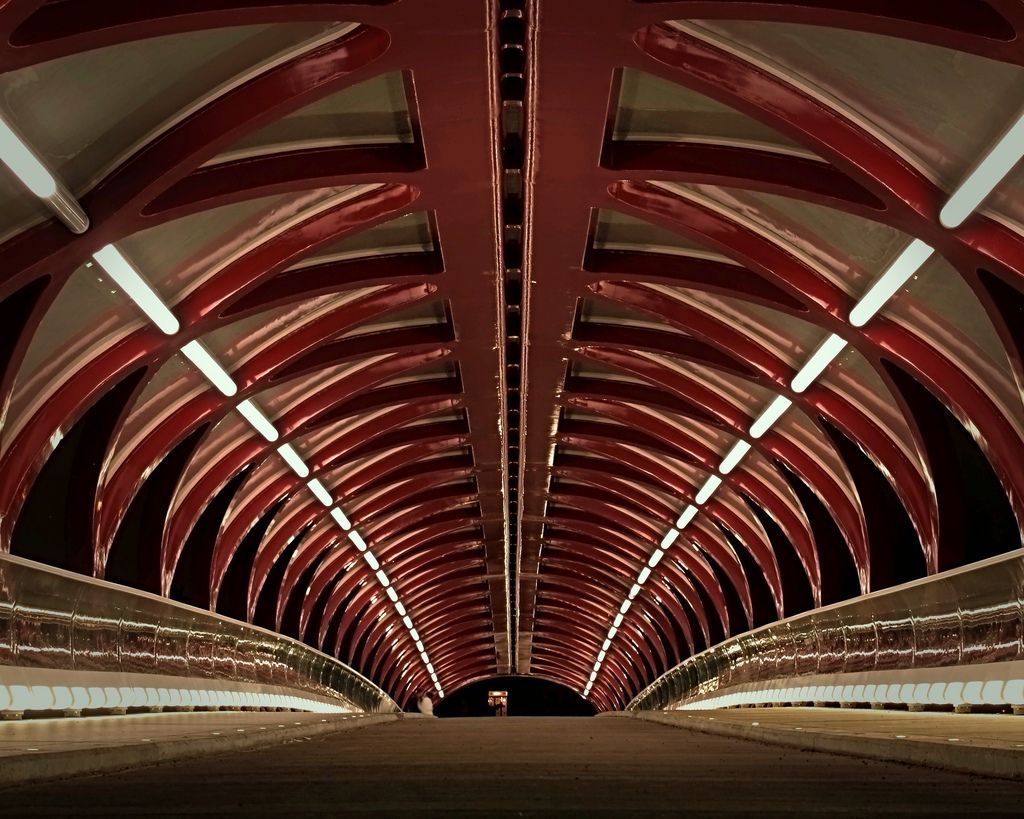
point(521, 767)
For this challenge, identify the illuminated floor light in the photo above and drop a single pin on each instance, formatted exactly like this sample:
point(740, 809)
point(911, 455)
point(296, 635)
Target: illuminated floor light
point(895, 276)
point(708, 489)
point(341, 519)
point(988, 173)
point(136, 288)
point(248, 410)
point(208, 366)
point(320, 492)
point(291, 457)
point(734, 456)
point(774, 411)
point(819, 360)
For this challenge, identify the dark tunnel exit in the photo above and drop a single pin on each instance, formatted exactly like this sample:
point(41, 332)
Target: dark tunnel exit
point(527, 697)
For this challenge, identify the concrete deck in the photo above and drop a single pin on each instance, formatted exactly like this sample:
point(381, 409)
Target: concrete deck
point(521, 767)
point(989, 744)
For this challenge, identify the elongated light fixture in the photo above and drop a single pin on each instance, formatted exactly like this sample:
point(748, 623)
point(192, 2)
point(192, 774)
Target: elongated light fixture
point(407, 620)
point(617, 621)
point(392, 594)
point(633, 592)
point(383, 577)
point(734, 456)
point(400, 608)
point(371, 560)
point(625, 606)
point(819, 360)
point(895, 276)
point(357, 540)
point(32, 172)
point(208, 366)
point(251, 413)
point(708, 489)
point(320, 492)
point(669, 539)
point(656, 558)
point(645, 573)
point(341, 519)
point(291, 457)
point(137, 288)
point(772, 413)
point(689, 513)
point(988, 173)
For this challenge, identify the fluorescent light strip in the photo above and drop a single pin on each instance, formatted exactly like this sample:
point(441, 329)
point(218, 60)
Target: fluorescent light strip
point(988, 173)
point(773, 412)
point(250, 412)
point(656, 557)
point(669, 539)
point(24, 163)
point(633, 592)
point(617, 621)
point(895, 276)
point(413, 633)
point(382, 577)
point(613, 631)
point(645, 573)
point(402, 613)
point(392, 594)
point(137, 289)
point(357, 540)
point(819, 360)
point(341, 519)
point(320, 492)
point(606, 645)
point(407, 620)
point(291, 457)
point(601, 656)
point(689, 513)
point(625, 606)
point(734, 456)
point(707, 490)
point(371, 560)
point(208, 366)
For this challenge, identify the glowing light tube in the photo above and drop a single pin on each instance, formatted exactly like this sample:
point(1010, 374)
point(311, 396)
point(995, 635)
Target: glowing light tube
point(656, 558)
point(382, 577)
point(633, 592)
point(617, 621)
point(606, 645)
point(772, 413)
point(371, 560)
point(625, 606)
point(708, 489)
point(988, 173)
point(341, 519)
point(414, 634)
point(645, 573)
point(407, 620)
point(208, 366)
point(291, 457)
point(357, 540)
point(819, 360)
point(392, 594)
point(401, 613)
point(320, 492)
point(895, 276)
point(689, 513)
point(669, 539)
point(734, 456)
point(24, 164)
point(249, 411)
point(137, 289)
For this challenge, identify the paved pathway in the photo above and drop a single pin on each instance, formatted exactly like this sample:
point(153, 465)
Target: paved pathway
point(521, 767)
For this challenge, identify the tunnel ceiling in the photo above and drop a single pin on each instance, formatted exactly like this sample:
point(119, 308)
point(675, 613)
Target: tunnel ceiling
point(510, 280)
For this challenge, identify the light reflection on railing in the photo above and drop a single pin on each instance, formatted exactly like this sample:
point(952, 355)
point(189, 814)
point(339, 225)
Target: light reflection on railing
point(962, 618)
point(56, 620)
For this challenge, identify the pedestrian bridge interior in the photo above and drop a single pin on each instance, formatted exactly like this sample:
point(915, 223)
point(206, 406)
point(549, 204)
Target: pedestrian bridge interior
point(666, 352)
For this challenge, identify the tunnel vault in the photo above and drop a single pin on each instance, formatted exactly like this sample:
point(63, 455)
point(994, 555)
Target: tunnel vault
point(550, 337)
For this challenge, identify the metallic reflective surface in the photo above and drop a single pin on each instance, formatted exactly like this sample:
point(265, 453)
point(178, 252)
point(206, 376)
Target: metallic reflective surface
point(967, 617)
point(51, 619)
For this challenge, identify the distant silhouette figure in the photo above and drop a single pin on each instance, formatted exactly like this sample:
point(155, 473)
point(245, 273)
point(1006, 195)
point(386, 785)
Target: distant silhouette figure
point(426, 704)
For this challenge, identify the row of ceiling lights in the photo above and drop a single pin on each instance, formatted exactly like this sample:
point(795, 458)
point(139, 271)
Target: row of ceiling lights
point(25, 164)
point(978, 184)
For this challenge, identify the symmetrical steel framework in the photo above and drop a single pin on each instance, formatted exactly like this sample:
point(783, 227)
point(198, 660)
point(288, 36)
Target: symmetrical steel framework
point(512, 278)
